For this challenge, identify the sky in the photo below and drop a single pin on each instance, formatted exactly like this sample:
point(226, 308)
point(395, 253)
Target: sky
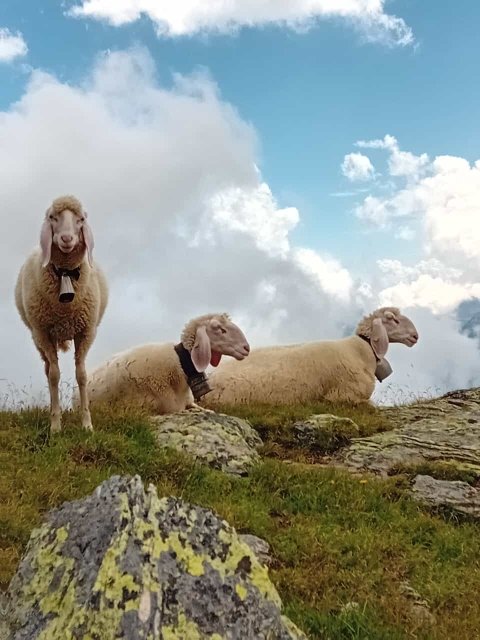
point(297, 164)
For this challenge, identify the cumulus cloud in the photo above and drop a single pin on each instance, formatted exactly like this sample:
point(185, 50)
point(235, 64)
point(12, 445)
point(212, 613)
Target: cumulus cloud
point(12, 45)
point(357, 167)
point(225, 16)
point(400, 163)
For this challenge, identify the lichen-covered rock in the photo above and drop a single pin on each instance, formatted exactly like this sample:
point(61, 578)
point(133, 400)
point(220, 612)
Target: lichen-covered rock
point(223, 442)
point(324, 432)
point(124, 564)
point(453, 494)
point(260, 547)
point(446, 429)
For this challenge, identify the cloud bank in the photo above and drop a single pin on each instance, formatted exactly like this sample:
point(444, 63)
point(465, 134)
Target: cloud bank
point(226, 16)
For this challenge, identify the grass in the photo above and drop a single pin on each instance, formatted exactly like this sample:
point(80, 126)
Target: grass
point(336, 538)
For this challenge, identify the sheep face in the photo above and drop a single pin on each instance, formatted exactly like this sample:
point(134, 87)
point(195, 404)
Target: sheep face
point(66, 229)
point(218, 336)
point(399, 328)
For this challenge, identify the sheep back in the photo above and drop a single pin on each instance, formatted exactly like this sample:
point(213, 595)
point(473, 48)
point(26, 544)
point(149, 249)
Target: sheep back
point(337, 371)
point(148, 377)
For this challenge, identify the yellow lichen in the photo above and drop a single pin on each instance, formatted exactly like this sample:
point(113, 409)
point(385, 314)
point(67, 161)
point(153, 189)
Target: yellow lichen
point(241, 591)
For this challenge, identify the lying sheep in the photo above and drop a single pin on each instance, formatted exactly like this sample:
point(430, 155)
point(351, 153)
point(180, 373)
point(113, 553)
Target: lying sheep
point(61, 296)
point(338, 370)
point(165, 378)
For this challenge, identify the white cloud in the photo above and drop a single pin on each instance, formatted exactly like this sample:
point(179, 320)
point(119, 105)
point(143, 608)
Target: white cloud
point(400, 163)
point(12, 45)
point(328, 272)
point(357, 167)
point(224, 16)
point(435, 293)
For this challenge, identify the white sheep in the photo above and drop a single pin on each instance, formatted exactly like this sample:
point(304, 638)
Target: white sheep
point(338, 371)
point(164, 377)
point(61, 296)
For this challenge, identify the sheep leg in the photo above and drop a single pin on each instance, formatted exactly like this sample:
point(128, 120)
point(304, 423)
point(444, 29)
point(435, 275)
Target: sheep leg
point(82, 345)
point(48, 353)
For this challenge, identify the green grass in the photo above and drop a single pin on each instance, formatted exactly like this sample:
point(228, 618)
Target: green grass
point(336, 538)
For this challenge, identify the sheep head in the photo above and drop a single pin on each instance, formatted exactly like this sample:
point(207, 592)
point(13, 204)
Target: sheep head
point(387, 325)
point(65, 226)
point(215, 335)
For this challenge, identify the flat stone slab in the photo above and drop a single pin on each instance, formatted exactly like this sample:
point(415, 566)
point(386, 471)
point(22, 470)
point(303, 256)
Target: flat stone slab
point(124, 564)
point(446, 429)
point(453, 494)
point(223, 442)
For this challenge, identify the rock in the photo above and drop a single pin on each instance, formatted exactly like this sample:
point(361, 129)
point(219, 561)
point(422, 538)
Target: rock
point(123, 563)
point(419, 607)
point(453, 494)
point(446, 429)
point(324, 432)
point(260, 548)
point(223, 442)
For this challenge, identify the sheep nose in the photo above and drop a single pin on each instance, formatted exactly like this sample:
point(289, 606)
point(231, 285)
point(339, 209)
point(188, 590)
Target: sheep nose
point(415, 336)
point(67, 239)
point(246, 347)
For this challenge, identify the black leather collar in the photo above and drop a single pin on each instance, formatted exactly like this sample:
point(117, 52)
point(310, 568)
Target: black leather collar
point(197, 381)
point(74, 274)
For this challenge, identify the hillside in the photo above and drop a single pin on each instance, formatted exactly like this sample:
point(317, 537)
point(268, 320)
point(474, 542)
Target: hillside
point(354, 556)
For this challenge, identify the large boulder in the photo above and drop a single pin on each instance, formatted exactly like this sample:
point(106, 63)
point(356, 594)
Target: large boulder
point(220, 441)
point(451, 494)
point(446, 429)
point(123, 563)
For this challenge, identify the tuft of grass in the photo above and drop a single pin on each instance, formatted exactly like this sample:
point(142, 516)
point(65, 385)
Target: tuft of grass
point(336, 538)
point(440, 470)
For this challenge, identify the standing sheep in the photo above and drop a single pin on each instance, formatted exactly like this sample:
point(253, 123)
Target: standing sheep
point(337, 370)
point(162, 377)
point(61, 296)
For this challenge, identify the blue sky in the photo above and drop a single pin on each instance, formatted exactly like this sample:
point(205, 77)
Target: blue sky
point(310, 96)
point(406, 232)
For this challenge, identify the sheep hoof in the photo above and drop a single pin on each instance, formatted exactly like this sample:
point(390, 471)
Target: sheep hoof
point(87, 422)
point(55, 425)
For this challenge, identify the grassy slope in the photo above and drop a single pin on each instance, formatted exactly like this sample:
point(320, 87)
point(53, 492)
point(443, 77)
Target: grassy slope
point(336, 538)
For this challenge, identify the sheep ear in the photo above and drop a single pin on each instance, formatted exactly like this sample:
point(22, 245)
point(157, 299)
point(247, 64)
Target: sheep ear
point(201, 352)
point(89, 241)
point(46, 235)
point(379, 338)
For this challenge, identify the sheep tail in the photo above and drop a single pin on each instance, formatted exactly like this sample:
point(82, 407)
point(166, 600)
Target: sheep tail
point(65, 345)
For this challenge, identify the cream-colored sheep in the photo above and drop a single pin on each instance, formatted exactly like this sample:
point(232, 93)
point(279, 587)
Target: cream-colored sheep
point(152, 377)
point(338, 370)
point(61, 296)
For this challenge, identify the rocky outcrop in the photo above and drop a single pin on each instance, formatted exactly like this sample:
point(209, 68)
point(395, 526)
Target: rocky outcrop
point(123, 563)
point(451, 494)
point(446, 429)
point(220, 441)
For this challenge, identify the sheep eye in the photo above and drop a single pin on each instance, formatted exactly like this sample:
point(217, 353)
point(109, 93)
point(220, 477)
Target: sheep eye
point(223, 330)
point(52, 217)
